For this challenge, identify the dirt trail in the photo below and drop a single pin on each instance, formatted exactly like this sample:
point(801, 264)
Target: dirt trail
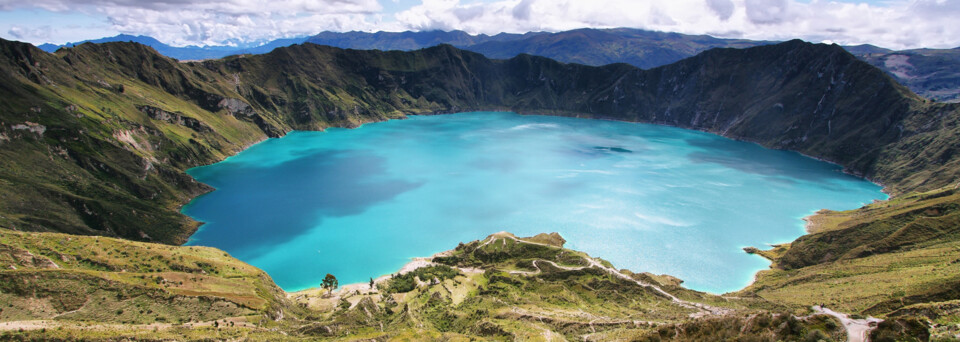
point(858, 330)
point(704, 308)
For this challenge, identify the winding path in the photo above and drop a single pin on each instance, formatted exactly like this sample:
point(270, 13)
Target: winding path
point(703, 308)
point(858, 330)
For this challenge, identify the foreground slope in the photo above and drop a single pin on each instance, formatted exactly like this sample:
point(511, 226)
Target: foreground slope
point(47, 279)
point(904, 248)
point(98, 136)
point(499, 288)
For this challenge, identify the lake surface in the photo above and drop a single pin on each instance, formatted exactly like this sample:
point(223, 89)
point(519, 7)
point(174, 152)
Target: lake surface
point(359, 203)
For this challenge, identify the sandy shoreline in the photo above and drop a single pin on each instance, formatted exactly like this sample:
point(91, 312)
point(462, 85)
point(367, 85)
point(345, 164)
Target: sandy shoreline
point(413, 264)
point(811, 223)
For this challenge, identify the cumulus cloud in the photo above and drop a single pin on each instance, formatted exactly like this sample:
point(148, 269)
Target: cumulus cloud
point(213, 22)
point(30, 33)
point(894, 24)
point(723, 8)
point(766, 11)
point(522, 10)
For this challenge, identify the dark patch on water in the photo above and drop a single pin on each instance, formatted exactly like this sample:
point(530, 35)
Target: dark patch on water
point(257, 206)
point(613, 149)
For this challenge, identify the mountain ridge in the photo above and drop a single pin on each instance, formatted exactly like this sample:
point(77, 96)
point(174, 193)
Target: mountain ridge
point(183, 52)
point(928, 72)
point(815, 99)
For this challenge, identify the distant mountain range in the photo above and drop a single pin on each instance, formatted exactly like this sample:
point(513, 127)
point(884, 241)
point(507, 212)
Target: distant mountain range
point(931, 73)
point(186, 53)
point(409, 40)
point(640, 48)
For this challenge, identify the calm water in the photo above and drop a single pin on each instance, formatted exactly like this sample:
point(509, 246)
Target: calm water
point(359, 203)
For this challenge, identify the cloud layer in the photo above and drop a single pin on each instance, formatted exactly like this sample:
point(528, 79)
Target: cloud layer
point(215, 22)
point(894, 24)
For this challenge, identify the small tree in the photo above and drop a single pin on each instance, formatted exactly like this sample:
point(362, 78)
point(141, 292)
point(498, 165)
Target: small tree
point(371, 283)
point(329, 283)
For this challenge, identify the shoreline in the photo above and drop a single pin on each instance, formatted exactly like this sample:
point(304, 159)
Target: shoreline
point(410, 266)
point(419, 262)
point(811, 223)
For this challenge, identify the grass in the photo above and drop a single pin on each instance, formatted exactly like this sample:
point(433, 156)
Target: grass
point(873, 260)
point(103, 288)
point(408, 281)
point(861, 285)
point(78, 278)
point(491, 303)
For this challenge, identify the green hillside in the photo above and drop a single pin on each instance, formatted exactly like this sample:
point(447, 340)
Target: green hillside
point(888, 259)
point(907, 244)
point(54, 280)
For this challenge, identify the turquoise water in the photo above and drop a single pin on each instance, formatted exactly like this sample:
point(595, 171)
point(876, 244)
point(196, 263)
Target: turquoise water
point(359, 203)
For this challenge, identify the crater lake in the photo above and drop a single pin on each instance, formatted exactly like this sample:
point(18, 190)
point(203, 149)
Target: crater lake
point(359, 203)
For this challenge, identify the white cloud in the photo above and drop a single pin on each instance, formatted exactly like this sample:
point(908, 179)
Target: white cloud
point(184, 22)
point(31, 33)
point(895, 24)
point(767, 11)
point(723, 8)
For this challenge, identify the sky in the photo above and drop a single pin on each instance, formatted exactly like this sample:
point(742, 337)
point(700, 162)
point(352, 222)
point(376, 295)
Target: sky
point(896, 24)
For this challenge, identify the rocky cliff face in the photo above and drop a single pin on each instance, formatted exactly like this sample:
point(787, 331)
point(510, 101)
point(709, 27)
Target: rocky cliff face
point(121, 123)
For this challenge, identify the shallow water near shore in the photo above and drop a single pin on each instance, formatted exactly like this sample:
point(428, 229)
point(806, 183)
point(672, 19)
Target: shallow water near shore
point(359, 203)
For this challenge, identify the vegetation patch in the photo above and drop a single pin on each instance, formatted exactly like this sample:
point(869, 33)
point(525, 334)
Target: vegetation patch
point(406, 282)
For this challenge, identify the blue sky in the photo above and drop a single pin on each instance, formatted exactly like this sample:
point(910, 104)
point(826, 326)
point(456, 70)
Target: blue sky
point(888, 23)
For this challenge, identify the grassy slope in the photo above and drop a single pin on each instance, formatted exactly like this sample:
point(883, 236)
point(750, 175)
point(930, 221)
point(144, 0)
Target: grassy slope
point(895, 259)
point(876, 260)
point(50, 276)
point(103, 288)
point(499, 294)
point(101, 166)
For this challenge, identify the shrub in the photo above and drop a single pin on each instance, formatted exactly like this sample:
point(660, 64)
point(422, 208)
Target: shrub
point(407, 282)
